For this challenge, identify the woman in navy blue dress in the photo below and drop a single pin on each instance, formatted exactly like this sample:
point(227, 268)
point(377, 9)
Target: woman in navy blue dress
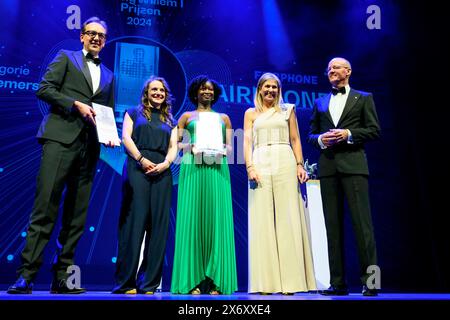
point(150, 139)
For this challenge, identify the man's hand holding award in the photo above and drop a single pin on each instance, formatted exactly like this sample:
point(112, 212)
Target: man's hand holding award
point(106, 125)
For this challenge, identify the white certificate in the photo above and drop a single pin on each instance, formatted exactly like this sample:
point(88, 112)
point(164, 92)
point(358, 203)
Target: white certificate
point(208, 133)
point(105, 124)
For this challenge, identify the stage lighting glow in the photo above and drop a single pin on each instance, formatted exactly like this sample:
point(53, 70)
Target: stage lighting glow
point(23, 234)
point(91, 229)
point(276, 36)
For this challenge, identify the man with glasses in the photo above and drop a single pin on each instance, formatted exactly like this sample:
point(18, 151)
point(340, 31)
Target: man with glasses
point(341, 123)
point(70, 149)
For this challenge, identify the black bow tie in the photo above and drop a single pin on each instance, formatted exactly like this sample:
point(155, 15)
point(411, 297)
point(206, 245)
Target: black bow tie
point(335, 91)
point(90, 57)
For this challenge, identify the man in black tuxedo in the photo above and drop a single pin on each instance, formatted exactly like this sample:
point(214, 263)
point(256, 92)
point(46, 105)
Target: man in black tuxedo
point(70, 150)
point(341, 123)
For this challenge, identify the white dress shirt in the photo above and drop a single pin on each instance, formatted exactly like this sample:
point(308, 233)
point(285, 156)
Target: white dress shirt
point(337, 104)
point(95, 73)
point(336, 107)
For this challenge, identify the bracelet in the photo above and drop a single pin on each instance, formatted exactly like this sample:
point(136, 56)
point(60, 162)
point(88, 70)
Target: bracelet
point(139, 159)
point(249, 166)
point(170, 162)
point(301, 163)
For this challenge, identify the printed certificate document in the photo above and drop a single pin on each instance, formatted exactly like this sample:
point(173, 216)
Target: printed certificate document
point(105, 124)
point(209, 133)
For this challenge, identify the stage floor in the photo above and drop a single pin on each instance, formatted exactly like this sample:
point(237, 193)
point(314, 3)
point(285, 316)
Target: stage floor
point(240, 296)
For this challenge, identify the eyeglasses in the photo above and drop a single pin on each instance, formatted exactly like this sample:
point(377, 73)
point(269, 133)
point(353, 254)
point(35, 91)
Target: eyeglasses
point(92, 35)
point(327, 70)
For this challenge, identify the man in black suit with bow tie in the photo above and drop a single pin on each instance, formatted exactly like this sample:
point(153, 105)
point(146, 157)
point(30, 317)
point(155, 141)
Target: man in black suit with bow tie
point(70, 150)
point(341, 123)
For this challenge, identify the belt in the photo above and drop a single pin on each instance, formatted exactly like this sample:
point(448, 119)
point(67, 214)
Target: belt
point(271, 144)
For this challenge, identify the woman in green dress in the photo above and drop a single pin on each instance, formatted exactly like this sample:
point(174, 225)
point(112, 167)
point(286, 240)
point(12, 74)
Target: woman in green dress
point(204, 259)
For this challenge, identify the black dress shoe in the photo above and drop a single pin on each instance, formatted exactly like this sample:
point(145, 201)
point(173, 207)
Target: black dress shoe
point(334, 291)
point(21, 286)
point(60, 287)
point(369, 292)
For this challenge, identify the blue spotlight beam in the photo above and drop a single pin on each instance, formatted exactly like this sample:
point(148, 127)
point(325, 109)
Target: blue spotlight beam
point(279, 49)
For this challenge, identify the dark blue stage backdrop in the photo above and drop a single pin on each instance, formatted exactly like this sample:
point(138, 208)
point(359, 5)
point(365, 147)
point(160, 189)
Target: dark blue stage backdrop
point(233, 41)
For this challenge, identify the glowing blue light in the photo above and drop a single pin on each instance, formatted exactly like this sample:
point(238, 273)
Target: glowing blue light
point(98, 170)
point(1, 169)
point(273, 20)
point(91, 229)
point(10, 257)
point(114, 259)
point(23, 234)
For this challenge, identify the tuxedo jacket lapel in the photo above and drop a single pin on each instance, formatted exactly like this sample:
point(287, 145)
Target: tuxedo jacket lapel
point(103, 79)
point(326, 108)
point(82, 65)
point(353, 96)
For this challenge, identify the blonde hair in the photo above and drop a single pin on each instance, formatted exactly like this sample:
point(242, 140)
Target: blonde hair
point(258, 101)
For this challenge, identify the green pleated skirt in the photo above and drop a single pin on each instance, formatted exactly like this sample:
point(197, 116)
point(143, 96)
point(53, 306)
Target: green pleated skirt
point(204, 238)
